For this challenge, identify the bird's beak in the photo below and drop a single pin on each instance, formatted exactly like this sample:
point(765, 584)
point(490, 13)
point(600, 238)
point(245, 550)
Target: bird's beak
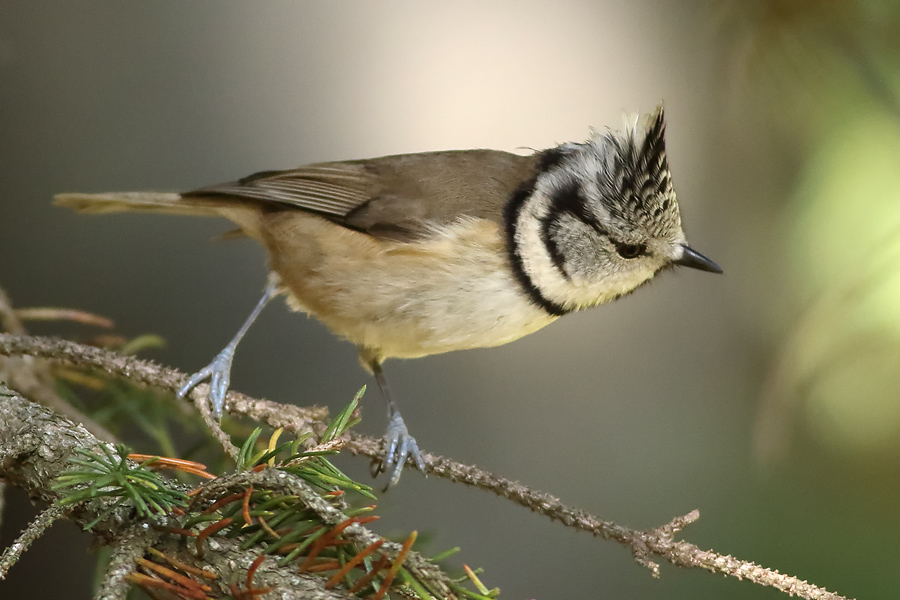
point(693, 259)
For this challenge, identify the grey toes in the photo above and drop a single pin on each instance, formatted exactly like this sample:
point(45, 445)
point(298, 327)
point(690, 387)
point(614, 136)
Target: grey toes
point(219, 374)
point(398, 447)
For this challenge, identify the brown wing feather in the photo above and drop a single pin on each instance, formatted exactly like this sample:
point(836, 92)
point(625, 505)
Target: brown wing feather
point(331, 190)
point(398, 197)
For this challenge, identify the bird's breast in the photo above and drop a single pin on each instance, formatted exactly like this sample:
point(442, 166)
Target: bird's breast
point(451, 290)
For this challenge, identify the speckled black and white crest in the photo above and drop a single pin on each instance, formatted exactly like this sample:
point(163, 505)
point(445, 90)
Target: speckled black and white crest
point(634, 181)
point(618, 182)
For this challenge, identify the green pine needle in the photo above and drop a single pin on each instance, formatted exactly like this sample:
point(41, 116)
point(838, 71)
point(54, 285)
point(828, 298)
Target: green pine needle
point(114, 476)
point(310, 465)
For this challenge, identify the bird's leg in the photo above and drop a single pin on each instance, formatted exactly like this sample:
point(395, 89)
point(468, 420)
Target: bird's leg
point(219, 370)
point(398, 444)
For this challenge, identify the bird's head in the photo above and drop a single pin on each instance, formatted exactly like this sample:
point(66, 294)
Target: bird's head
point(600, 219)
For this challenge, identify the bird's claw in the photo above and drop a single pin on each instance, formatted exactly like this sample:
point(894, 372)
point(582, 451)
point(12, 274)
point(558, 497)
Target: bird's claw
point(219, 374)
point(398, 446)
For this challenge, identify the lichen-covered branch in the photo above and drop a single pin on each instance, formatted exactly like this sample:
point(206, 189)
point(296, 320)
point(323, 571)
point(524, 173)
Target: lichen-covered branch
point(659, 542)
point(150, 374)
point(35, 529)
point(131, 545)
point(286, 483)
point(35, 445)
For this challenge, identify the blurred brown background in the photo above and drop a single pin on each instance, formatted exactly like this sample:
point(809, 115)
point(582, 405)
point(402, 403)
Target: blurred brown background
point(766, 397)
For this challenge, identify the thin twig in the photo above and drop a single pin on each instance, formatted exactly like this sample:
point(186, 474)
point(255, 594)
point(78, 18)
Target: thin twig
point(644, 544)
point(9, 320)
point(148, 373)
point(47, 313)
point(655, 542)
point(33, 377)
point(199, 395)
point(35, 529)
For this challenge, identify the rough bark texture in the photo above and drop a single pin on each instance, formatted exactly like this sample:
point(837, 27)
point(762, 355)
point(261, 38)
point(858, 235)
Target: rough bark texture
point(35, 444)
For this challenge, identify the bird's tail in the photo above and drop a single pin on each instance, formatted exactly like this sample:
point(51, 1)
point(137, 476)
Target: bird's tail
point(159, 202)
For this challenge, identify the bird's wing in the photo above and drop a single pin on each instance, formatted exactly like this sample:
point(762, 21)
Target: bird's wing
point(332, 190)
point(399, 197)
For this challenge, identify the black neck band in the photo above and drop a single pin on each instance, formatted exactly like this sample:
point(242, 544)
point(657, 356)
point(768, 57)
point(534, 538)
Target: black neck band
point(549, 159)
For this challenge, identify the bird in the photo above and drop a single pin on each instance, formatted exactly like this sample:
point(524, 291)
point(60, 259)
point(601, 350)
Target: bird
point(411, 255)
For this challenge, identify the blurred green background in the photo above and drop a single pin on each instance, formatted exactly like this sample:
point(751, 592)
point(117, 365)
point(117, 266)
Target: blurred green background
point(767, 397)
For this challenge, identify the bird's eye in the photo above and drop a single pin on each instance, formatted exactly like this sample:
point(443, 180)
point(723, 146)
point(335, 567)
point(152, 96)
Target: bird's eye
point(630, 250)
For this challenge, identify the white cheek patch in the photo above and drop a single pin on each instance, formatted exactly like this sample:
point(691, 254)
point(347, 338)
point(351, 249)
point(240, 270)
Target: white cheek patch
point(591, 284)
point(547, 277)
point(532, 249)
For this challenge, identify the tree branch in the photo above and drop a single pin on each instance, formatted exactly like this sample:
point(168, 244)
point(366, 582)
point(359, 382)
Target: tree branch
point(133, 543)
point(658, 542)
point(35, 529)
point(274, 479)
point(35, 444)
point(644, 544)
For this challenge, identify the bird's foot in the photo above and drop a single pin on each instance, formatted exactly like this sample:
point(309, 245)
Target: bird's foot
point(219, 374)
point(398, 446)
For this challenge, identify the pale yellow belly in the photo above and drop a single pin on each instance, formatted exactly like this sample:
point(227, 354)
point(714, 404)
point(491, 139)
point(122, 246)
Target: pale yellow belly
point(395, 299)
